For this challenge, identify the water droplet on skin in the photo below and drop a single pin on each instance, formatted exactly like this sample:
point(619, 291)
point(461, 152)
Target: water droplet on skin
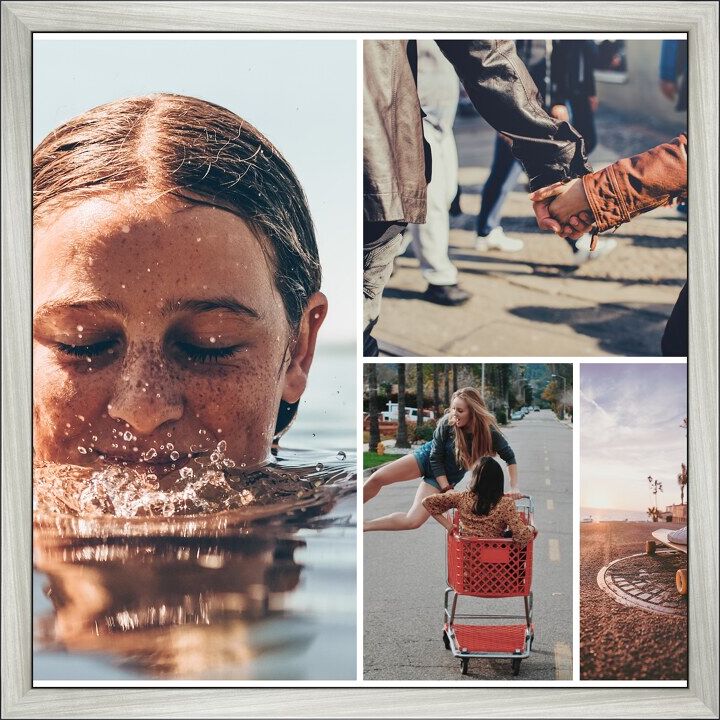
point(67, 425)
point(135, 449)
point(169, 434)
point(80, 328)
point(319, 467)
point(170, 446)
point(114, 446)
point(186, 473)
point(157, 395)
point(123, 286)
point(125, 229)
point(213, 339)
point(222, 446)
point(81, 418)
point(342, 455)
point(174, 455)
point(127, 436)
point(82, 450)
point(94, 438)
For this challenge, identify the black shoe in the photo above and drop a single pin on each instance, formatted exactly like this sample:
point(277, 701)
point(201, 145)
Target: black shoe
point(446, 294)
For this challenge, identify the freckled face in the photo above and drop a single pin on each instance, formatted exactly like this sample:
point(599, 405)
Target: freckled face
point(460, 412)
point(153, 324)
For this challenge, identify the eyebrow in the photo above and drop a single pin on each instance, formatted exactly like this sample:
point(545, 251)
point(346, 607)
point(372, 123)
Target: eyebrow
point(65, 304)
point(226, 303)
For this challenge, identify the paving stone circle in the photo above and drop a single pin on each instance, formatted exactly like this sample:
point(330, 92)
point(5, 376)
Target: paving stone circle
point(646, 582)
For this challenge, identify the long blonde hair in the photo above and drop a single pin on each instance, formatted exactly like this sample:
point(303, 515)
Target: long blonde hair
point(479, 427)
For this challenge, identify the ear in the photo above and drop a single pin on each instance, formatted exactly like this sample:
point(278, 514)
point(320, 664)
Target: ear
point(303, 350)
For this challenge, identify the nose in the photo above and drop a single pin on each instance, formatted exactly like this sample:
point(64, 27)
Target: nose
point(147, 394)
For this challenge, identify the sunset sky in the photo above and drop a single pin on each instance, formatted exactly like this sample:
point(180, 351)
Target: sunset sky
point(630, 428)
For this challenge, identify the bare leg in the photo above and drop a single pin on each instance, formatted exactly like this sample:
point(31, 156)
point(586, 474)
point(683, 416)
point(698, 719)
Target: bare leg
point(405, 468)
point(412, 519)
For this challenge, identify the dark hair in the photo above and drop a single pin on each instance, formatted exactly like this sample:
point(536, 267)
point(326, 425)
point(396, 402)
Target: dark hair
point(487, 485)
point(175, 145)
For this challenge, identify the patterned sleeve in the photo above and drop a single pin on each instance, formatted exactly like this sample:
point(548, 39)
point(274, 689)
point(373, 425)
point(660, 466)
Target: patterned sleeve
point(442, 502)
point(520, 531)
point(502, 447)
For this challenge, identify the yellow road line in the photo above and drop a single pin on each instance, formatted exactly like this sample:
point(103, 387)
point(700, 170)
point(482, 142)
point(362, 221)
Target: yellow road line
point(547, 482)
point(554, 550)
point(550, 505)
point(563, 661)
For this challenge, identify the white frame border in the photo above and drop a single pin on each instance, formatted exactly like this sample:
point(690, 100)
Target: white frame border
point(19, 20)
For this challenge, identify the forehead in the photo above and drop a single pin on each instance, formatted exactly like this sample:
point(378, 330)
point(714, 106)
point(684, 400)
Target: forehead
point(109, 247)
point(459, 402)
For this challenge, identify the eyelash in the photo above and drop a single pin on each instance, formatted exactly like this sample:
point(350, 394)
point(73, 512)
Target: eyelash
point(196, 353)
point(87, 350)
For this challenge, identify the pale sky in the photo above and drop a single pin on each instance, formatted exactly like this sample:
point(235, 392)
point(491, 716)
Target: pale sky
point(630, 428)
point(300, 93)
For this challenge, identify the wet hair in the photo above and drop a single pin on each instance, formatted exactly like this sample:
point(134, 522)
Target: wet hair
point(174, 145)
point(479, 428)
point(487, 485)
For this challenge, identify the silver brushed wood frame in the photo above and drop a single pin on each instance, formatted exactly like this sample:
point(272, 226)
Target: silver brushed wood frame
point(19, 20)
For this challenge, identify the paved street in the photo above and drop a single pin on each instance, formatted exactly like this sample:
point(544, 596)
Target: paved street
point(404, 574)
point(535, 302)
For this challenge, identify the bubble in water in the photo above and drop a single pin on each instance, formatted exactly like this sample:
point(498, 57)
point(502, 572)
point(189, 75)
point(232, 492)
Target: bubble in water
point(127, 436)
point(342, 455)
point(319, 467)
point(67, 425)
point(228, 463)
point(213, 339)
point(82, 450)
point(94, 438)
point(170, 446)
point(222, 446)
point(149, 455)
point(174, 455)
point(215, 457)
point(186, 473)
point(169, 434)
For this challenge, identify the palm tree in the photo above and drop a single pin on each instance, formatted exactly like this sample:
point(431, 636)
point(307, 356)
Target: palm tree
point(447, 386)
point(373, 407)
point(436, 390)
point(419, 393)
point(455, 377)
point(402, 438)
point(655, 488)
point(682, 479)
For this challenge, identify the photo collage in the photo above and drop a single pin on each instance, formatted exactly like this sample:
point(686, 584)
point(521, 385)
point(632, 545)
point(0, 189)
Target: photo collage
point(430, 433)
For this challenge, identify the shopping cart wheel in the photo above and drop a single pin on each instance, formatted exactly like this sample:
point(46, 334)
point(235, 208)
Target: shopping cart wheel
point(516, 666)
point(464, 666)
point(681, 581)
point(446, 640)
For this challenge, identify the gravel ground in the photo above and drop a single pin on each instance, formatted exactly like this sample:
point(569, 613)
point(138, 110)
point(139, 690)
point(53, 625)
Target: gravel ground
point(619, 642)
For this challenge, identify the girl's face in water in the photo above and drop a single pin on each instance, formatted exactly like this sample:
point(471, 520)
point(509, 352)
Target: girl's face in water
point(158, 330)
point(460, 412)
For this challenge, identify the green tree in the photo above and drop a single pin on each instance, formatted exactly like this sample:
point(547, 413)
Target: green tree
point(402, 437)
point(373, 406)
point(419, 380)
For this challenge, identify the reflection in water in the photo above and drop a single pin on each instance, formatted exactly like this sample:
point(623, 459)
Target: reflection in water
point(189, 596)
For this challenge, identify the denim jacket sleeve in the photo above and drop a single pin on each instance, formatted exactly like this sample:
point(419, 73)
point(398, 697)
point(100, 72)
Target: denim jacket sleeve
point(437, 452)
point(502, 91)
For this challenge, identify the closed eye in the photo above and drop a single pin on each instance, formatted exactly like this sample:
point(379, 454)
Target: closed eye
point(198, 353)
point(92, 350)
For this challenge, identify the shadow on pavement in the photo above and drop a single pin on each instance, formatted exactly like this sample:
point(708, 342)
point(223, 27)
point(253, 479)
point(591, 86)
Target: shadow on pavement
point(637, 330)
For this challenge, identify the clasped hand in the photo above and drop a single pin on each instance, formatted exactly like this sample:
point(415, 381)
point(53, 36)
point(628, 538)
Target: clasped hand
point(563, 208)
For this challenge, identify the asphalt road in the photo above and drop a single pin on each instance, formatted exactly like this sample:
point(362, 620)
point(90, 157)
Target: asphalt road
point(404, 574)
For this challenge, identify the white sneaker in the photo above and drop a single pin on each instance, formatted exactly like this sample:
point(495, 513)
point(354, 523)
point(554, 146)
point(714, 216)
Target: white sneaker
point(583, 254)
point(498, 240)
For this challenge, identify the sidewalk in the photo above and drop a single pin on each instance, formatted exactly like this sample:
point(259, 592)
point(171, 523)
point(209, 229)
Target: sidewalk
point(535, 302)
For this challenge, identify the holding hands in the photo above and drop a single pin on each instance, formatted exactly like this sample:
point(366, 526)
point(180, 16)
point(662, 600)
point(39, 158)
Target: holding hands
point(563, 208)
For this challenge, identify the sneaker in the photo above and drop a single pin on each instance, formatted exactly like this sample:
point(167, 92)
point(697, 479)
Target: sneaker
point(498, 240)
point(583, 253)
point(446, 294)
point(679, 536)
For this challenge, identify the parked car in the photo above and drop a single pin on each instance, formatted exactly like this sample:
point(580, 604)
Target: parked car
point(517, 415)
point(536, 409)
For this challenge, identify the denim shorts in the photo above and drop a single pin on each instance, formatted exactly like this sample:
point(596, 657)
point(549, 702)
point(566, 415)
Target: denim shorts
point(422, 455)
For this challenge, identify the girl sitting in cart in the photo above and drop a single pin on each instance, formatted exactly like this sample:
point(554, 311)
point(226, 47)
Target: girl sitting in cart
point(484, 510)
point(463, 436)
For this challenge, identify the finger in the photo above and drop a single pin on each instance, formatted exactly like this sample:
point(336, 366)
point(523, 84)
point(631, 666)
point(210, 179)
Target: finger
point(543, 217)
point(587, 217)
point(547, 192)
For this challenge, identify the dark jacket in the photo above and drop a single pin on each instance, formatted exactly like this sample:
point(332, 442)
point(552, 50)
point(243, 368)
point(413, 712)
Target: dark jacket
point(572, 70)
point(442, 455)
point(396, 159)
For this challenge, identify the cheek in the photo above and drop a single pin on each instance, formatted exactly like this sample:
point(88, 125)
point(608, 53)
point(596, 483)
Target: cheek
point(239, 404)
point(67, 404)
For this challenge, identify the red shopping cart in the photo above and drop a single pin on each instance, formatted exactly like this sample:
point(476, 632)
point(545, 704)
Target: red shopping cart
point(489, 568)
